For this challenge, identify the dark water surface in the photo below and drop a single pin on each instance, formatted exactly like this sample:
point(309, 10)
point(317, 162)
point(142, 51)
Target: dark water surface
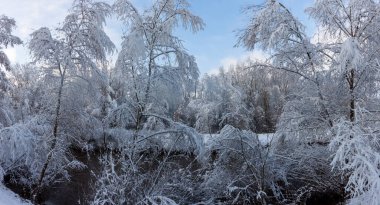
point(81, 188)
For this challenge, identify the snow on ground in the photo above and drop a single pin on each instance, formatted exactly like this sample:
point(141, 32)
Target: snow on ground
point(264, 138)
point(7, 197)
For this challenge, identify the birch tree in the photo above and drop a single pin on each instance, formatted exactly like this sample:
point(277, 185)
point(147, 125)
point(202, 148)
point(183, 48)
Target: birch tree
point(346, 66)
point(354, 26)
point(274, 28)
point(76, 48)
point(152, 58)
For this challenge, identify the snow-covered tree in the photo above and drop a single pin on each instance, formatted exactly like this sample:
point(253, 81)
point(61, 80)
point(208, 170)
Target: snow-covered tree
point(153, 76)
point(274, 28)
point(154, 72)
point(346, 66)
point(354, 27)
point(7, 39)
point(79, 47)
point(218, 103)
point(265, 91)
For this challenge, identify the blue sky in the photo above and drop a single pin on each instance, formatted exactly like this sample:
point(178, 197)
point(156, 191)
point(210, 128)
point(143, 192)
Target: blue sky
point(213, 47)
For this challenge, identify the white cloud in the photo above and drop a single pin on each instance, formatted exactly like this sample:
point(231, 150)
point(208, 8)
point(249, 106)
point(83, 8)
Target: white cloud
point(30, 15)
point(214, 71)
point(255, 55)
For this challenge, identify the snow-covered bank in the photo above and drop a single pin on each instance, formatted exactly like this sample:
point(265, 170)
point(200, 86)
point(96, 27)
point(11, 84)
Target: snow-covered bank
point(264, 138)
point(7, 197)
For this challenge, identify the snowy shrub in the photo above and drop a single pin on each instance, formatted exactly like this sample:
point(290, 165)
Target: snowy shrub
point(18, 152)
point(301, 170)
point(146, 178)
point(23, 151)
point(123, 116)
point(357, 155)
point(240, 173)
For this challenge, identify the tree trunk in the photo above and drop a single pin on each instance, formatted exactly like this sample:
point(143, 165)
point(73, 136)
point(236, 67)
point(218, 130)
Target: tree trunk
point(350, 80)
point(148, 86)
point(55, 137)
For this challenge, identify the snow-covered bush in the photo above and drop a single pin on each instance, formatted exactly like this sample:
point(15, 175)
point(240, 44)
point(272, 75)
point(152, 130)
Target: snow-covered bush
point(18, 149)
point(357, 155)
point(240, 171)
point(302, 120)
point(302, 171)
point(148, 177)
point(23, 151)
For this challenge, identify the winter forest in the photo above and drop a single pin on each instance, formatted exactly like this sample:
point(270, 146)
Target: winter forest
point(301, 126)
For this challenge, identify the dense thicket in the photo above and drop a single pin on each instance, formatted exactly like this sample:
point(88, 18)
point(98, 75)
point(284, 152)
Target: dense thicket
point(164, 135)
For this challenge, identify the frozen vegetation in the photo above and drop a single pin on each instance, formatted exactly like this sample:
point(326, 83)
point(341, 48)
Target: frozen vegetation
point(300, 127)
